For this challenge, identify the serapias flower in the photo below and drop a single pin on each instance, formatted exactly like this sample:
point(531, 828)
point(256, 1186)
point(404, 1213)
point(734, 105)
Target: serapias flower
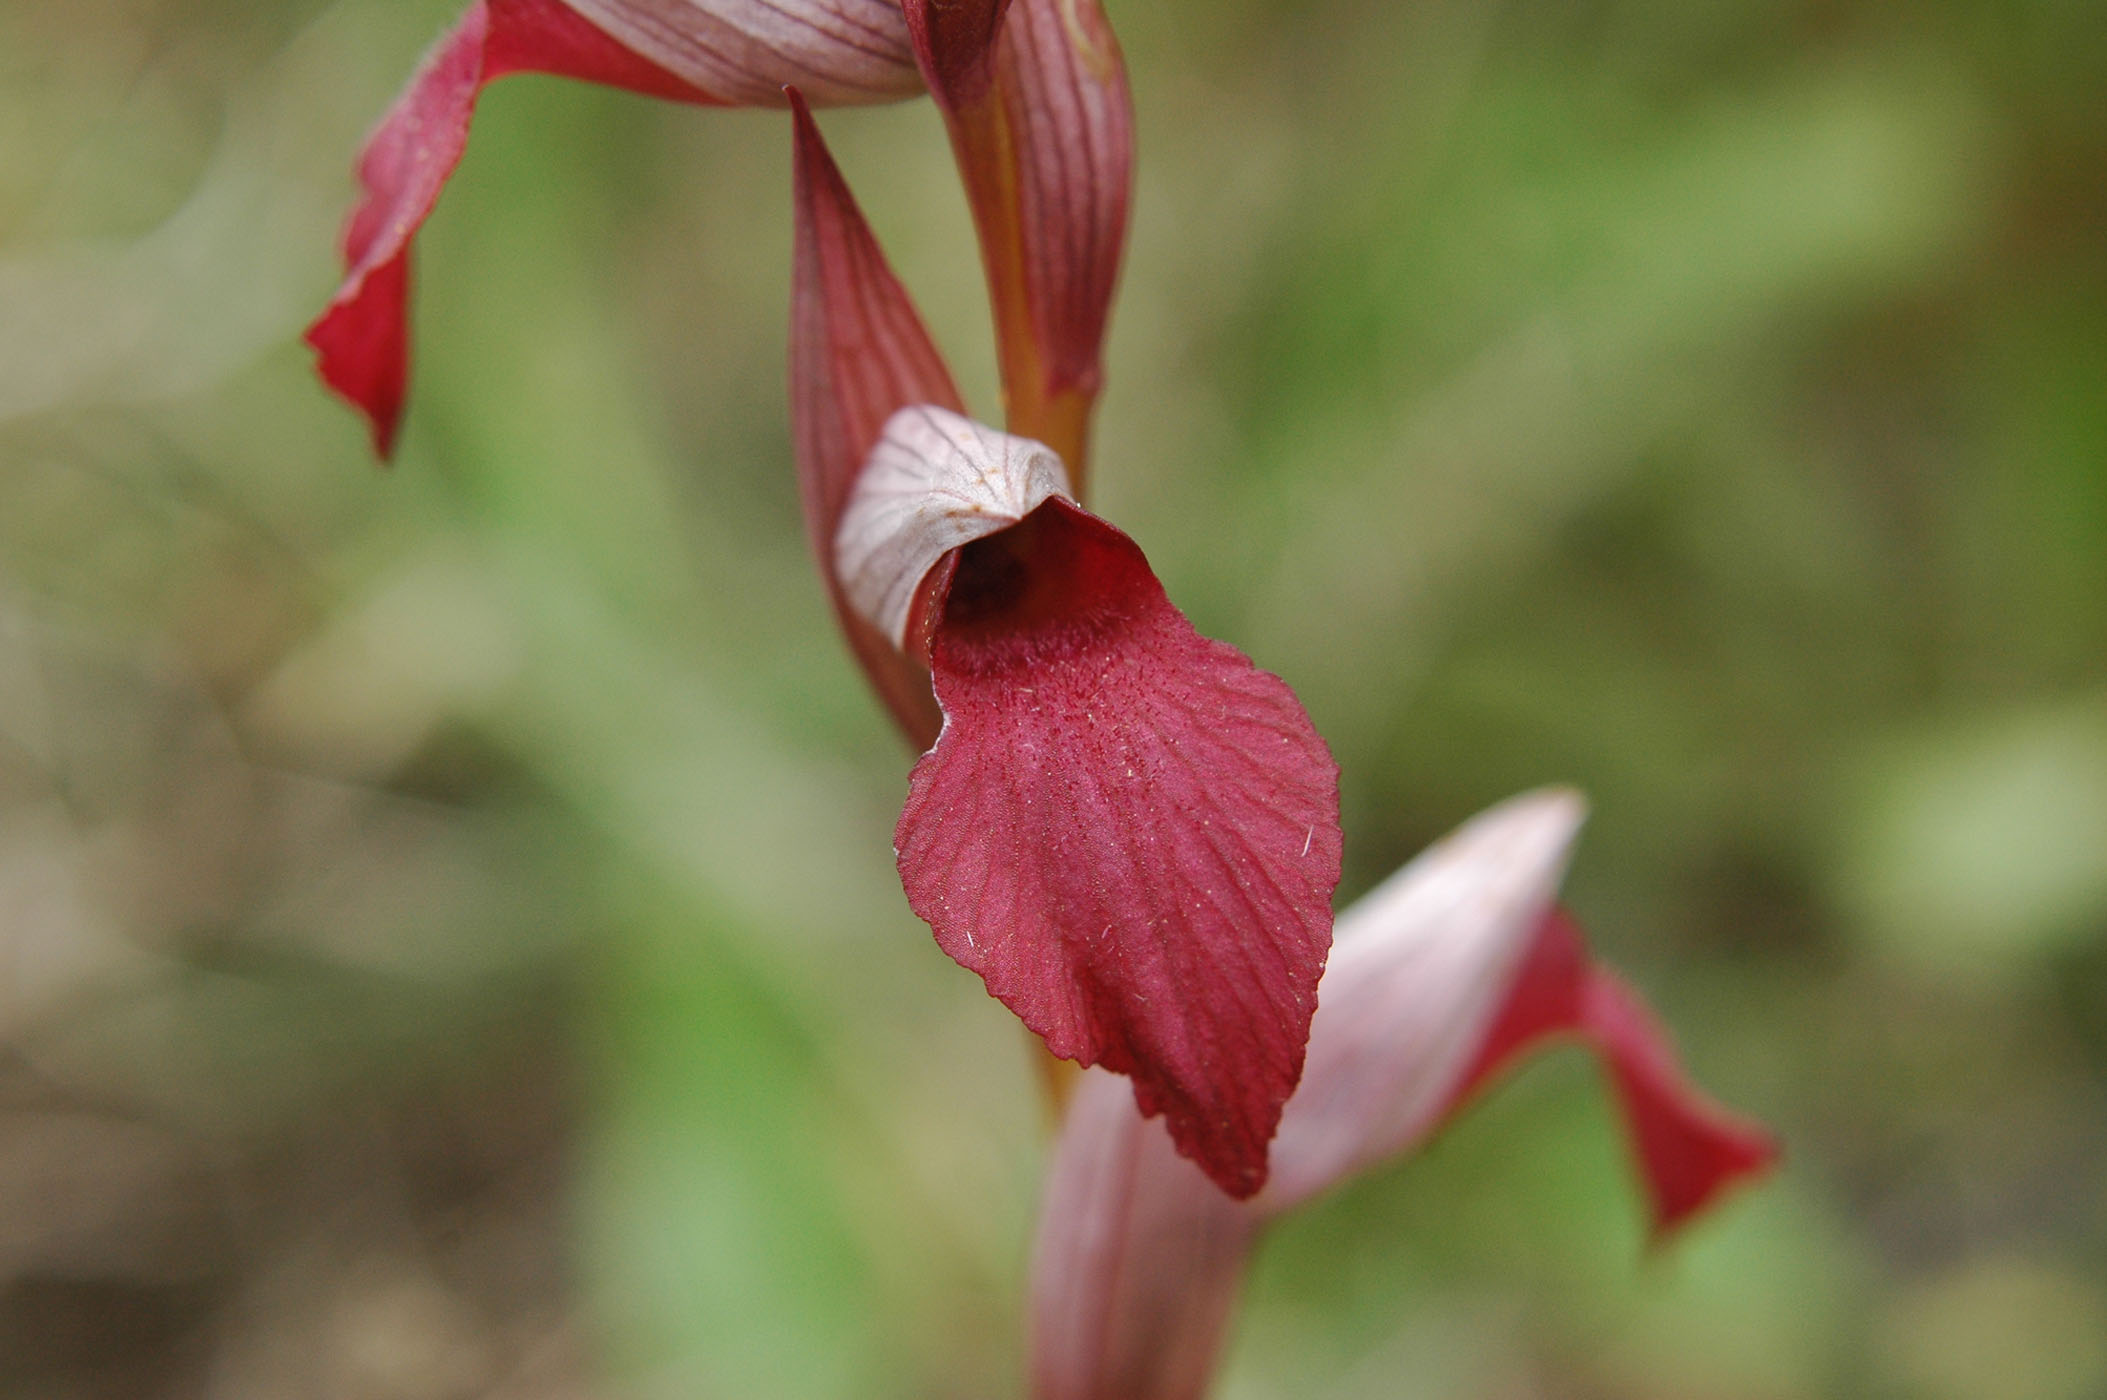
point(1033, 92)
point(1129, 831)
point(1440, 978)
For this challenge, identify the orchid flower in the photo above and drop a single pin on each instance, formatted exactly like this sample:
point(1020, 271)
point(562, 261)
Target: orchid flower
point(1033, 93)
point(1441, 978)
point(1130, 832)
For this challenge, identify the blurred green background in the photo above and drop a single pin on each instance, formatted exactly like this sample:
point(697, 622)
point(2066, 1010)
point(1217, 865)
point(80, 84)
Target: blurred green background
point(448, 944)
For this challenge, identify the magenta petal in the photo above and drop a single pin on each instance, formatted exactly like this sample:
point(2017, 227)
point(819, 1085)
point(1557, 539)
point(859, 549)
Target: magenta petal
point(858, 354)
point(1689, 1148)
point(361, 340)
point(1129, 831)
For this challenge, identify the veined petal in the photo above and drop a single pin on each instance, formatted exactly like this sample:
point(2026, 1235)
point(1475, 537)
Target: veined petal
point(835, 52)
point(858, 355)
point(1071, 117)
point(1439, 979)
point(1129, 831)
point(714, 52)
point(1044, 134)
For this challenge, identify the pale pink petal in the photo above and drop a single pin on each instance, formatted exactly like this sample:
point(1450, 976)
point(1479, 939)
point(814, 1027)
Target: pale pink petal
point(835, 52)
point(1420, 967)
point(936, 481)
point(858, 354)
point(722, 52)
point(1129, 831)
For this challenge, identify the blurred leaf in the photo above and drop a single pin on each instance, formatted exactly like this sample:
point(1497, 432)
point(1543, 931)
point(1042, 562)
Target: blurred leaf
point(1999, 1329)
point(1982, 846)
point(720, 1258)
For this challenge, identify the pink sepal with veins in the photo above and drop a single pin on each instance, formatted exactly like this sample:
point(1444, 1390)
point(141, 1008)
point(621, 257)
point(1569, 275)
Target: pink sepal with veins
point(1035, 97)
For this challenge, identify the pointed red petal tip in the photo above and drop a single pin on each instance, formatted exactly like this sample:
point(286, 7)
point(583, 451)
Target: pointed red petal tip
point(361, 340)
point(1129, 831)
point(1690, 1150)
point(858, 354)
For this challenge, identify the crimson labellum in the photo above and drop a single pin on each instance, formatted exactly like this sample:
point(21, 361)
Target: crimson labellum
point(1440, 977)
point(1129, 831)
